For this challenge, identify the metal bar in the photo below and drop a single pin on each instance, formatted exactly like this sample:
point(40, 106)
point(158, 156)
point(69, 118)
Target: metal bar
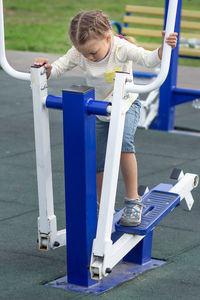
point(54, 102)
point(103, 241)
point(80, 182)
point(60, 238)
point(111, 169)
point(47, 226)
point(188, 56)
point(3, 61)
point(166, 111)
point(181, 95)
point(165, 63)
point(118, 26)
point(119, 249)
point(98, 107)
point(184, 187)
point(144, 74)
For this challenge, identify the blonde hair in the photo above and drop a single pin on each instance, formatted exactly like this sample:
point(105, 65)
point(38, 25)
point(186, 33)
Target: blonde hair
point(129, 39)
point(89, 25)
point(92, 24)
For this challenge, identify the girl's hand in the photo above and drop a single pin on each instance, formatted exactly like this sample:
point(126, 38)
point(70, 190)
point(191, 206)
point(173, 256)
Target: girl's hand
point(171, 40)
point(44, 62)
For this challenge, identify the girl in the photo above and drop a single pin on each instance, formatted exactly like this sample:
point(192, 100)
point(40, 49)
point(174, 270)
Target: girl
point(100, 53)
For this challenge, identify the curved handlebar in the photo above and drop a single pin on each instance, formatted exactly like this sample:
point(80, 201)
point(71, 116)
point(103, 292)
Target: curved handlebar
point(3, 61)
point(171, 18)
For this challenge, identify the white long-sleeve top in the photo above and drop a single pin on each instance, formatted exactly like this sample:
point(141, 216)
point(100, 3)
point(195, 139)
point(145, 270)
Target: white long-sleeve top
point(100, 75)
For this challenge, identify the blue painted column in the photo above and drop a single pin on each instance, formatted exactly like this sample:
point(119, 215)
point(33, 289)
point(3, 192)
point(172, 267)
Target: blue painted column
point(80, 182)
point(141, 253)
point(166, 112)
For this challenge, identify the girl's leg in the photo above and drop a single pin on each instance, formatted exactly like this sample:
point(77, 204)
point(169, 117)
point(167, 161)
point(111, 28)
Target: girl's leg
point(99, 185)
point(101, 142)
point(128, 159)
point(133, 204)
point(132, 213)
point(129, 172)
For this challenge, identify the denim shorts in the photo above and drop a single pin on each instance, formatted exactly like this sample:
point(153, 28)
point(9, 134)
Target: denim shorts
point(102, 127)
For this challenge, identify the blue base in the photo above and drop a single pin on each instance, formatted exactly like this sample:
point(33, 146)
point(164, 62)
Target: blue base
point(122, 272)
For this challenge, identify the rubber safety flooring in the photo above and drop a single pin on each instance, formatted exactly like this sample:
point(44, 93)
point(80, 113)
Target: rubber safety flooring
point(24, 269)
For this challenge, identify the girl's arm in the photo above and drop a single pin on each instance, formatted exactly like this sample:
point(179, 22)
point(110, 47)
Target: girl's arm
point(61, 65)
point(143, 57)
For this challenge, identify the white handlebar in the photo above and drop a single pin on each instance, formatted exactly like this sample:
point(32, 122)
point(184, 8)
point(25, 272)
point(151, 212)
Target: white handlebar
point(3, 61)
point(171, 18)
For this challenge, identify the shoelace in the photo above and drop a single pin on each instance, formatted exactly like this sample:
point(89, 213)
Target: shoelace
point(133, 208)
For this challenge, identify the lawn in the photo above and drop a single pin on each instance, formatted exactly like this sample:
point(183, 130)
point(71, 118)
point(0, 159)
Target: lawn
point(42, 25)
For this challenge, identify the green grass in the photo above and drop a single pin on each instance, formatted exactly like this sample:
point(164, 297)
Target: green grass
point(42, 25)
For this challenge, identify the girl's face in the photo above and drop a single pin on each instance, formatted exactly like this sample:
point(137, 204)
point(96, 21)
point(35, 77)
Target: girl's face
point(96, 49)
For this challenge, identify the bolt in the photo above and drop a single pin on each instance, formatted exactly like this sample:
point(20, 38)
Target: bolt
point(56, 244)
point(108, 270)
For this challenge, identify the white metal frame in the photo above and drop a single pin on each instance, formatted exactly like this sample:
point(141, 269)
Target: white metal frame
point(184, 185)
point(166, 56)
point(49, 237)
point(149, 109)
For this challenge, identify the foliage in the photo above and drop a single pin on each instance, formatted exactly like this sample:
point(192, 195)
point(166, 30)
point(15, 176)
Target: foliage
point(42, 25)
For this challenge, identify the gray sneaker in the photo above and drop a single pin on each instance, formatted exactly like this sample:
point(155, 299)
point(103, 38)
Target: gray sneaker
point(132, 212)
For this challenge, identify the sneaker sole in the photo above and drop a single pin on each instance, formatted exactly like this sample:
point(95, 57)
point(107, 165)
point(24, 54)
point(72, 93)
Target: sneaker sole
point(129, 224)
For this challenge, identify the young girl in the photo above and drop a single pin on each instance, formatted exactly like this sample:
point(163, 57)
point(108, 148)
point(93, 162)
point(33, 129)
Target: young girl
point(100, 53)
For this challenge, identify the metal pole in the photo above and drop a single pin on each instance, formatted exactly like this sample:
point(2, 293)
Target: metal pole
point(3, 61)
point(80, 183)
point(171, 18)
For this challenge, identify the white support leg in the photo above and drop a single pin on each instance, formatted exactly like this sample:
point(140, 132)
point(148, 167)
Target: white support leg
point(47, 225)
point(103, 237)
point(120, 249)
point(149, 109)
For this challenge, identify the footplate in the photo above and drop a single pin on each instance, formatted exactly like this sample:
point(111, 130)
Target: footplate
point(157, 205)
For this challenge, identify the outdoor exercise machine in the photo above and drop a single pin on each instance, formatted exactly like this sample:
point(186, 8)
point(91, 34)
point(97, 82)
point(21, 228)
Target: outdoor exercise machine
point(95, 249)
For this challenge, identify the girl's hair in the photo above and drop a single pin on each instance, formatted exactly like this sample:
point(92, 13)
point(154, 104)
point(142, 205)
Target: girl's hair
point(88, 25)
point(92, 24)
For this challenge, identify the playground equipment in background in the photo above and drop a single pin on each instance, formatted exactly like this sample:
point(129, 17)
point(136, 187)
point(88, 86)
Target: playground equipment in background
point(90, 258)
point(143, 21)
point(159, 111)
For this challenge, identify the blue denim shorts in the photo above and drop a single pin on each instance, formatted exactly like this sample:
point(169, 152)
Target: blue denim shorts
point(128, 145)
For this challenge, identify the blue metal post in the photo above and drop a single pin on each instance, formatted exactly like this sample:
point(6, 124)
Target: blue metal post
point(80, 183)
point(141, 253)
point(166, 113)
